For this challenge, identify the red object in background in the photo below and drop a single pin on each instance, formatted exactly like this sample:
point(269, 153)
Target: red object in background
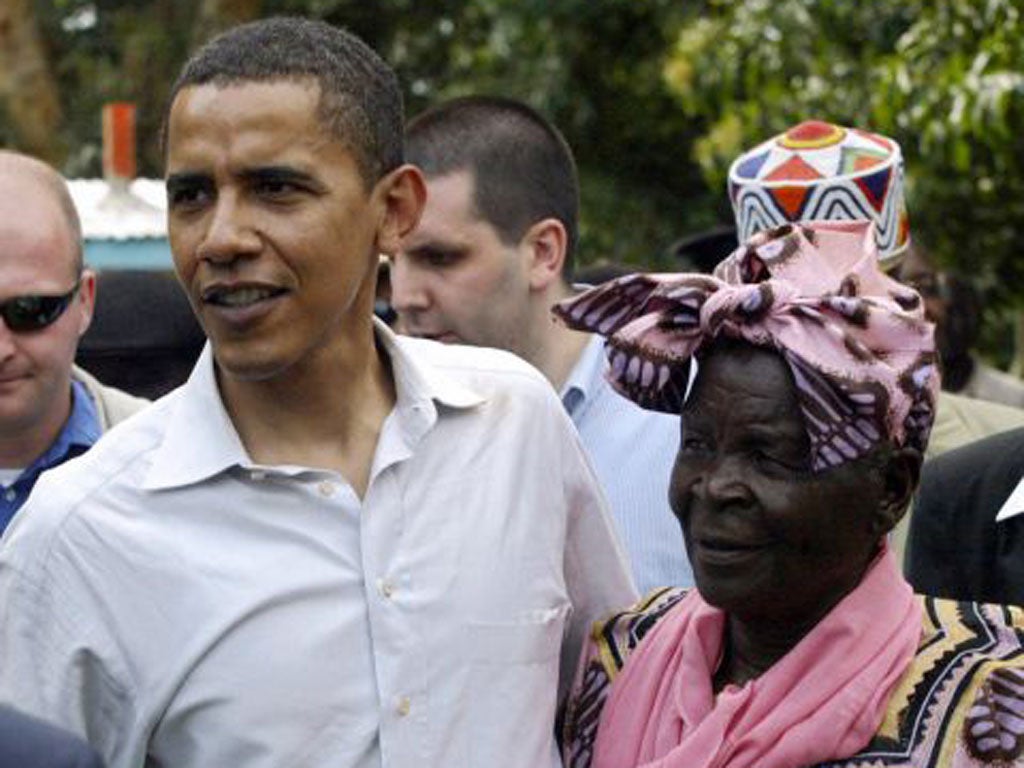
point(119, 140)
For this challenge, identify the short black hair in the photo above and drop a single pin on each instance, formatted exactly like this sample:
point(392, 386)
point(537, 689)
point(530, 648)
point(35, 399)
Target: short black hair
point(522, 167)
point(360, 99)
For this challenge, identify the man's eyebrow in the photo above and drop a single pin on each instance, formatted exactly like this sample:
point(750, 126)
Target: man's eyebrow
point(281, 174)
point(436, 248)
point(185, 179)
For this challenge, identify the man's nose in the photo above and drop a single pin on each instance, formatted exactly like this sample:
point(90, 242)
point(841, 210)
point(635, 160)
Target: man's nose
point(230, 234)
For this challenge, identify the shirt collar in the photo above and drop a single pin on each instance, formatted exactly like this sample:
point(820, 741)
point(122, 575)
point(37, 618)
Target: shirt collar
point(79, 432)
point(416, 379)
point(201, 440)
point(585, 375)
point(1014, 505)
point(83, 427)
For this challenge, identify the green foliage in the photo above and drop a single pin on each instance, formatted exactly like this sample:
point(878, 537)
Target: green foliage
point(943, 77)
point(958, 95)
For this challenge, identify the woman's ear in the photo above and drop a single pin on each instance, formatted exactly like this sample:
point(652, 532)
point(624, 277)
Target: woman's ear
point(900, 475)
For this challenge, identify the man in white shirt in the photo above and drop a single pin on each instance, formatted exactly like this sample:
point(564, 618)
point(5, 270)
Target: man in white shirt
point(493, 253)
point(331, 546)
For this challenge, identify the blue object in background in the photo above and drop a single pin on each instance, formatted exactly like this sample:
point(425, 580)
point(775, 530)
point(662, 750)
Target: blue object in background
point(151, 253)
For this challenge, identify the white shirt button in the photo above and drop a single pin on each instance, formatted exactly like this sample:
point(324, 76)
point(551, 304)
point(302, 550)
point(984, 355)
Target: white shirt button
point(403, 706)
point(386, 588)
point(326, 489)
point(258, 475)
point(10, 494)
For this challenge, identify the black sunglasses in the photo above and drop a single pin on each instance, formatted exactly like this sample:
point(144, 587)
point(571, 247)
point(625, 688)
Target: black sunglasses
point(32, 313)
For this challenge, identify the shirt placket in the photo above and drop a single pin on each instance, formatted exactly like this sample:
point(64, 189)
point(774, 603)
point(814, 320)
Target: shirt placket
point(390, 601)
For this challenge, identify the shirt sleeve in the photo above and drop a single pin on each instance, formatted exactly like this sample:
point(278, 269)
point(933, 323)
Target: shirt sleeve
point(597, 574)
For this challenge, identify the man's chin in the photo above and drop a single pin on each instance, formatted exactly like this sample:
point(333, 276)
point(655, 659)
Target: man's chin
point(249, 368)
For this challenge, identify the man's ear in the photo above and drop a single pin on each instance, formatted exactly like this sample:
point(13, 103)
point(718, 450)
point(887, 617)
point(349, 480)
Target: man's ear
point(86, 300)
point(546, 242)
point(403, 193)
point(900, 475)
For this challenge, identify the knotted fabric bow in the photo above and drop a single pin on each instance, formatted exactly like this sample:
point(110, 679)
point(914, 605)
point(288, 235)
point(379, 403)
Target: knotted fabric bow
point(861, 353)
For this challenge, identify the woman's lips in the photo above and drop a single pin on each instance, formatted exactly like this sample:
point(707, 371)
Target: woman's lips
point(729, 550)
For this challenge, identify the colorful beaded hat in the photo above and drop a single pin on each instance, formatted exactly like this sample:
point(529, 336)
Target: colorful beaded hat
point(819, 171)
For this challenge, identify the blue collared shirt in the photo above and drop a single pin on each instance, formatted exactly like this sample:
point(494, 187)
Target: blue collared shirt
point(80, 431)
point(632, 452)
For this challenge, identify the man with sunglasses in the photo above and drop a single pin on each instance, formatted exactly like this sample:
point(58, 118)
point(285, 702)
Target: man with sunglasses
point(50, 410)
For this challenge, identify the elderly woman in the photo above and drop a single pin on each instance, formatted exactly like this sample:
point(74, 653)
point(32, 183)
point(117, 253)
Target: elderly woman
point(801, 444)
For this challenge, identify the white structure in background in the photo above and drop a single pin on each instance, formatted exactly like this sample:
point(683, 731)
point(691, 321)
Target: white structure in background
point(124, 225)
point(124, 220)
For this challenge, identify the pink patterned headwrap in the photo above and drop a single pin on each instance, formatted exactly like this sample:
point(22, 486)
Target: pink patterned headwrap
point(861, 353)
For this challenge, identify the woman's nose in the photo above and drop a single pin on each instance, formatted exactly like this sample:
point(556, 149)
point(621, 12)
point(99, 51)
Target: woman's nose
point(725, 479)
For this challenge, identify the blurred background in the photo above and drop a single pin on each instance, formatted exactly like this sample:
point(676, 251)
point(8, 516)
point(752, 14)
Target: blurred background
point(656, 97)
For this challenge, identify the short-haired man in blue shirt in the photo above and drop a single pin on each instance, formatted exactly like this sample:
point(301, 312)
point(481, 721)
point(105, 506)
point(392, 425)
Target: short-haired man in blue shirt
point(50, 411)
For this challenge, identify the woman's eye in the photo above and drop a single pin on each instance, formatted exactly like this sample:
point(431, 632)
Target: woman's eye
point(776, 462)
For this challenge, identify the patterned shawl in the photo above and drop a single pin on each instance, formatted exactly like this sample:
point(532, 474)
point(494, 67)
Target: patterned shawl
point(861, 353)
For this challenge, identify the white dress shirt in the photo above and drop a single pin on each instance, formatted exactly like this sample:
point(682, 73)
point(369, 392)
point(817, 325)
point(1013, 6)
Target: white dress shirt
point(181, 606)
point(632, 451)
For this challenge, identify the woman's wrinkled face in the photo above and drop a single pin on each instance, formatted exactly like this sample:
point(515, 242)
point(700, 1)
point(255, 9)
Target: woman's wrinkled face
point(767, 538)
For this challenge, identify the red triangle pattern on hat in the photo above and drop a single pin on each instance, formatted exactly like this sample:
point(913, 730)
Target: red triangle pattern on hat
point(791, 200)
point(794, 169)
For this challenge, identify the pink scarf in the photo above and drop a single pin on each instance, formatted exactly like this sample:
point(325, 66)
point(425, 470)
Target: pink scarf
point(824, 700)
